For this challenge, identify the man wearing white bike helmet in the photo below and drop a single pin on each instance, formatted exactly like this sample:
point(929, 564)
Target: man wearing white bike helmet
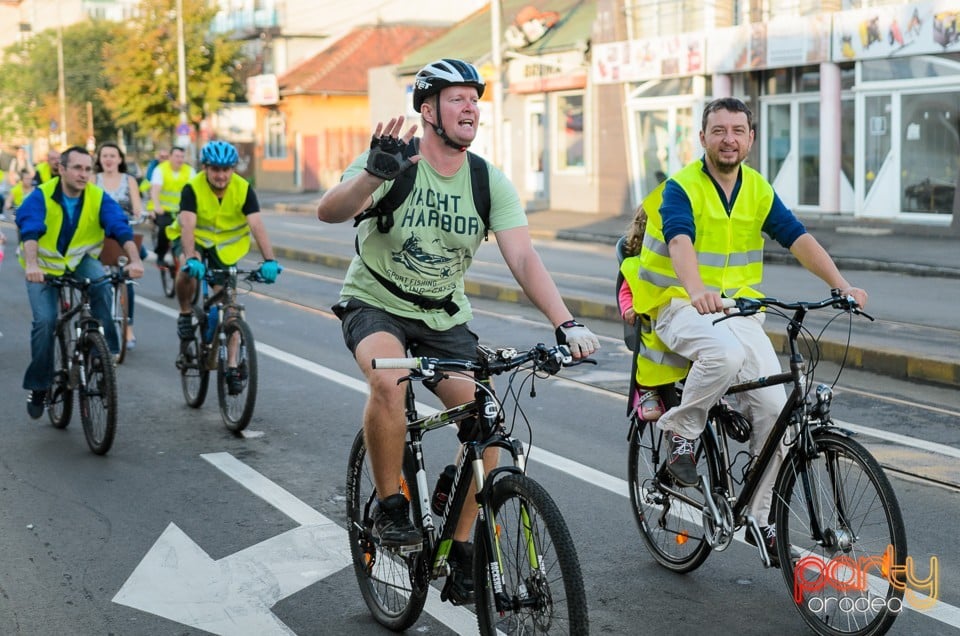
point(219, 211)
point(404, 289)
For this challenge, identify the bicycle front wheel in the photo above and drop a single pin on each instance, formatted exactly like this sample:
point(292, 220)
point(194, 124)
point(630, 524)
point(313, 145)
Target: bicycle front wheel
point(840, 538)
point(60, 395)
point(120, 300)
point(394, 586)
point(672, 530)
point(542, 585)
point(98, 395)
point(168, 279)
point(194, 374)
point(237, 385)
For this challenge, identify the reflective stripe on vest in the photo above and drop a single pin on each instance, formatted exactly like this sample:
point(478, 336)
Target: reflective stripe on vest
point(173, 183)
point(88, 239)
point(220, 223)
point(656, 364)
point(729, 249)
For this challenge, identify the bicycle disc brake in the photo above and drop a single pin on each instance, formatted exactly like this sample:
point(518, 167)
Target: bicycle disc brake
point(718, 536)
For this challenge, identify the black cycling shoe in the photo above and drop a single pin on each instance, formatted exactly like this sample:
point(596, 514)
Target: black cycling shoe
point(682, 465)
point(185, 327)
point(234, 381)
point(459, 586)
point(392, 525)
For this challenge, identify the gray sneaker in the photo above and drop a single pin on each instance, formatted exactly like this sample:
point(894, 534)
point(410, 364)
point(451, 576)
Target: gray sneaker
point(36, 400)
point(682, 465)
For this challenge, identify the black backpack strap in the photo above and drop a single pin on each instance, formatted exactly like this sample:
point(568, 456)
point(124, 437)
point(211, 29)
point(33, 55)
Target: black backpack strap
point(399, 190)
point(480, 183)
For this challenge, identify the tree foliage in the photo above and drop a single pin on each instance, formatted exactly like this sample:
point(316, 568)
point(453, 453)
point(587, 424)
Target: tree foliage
point(142, 68)
point(29, 82)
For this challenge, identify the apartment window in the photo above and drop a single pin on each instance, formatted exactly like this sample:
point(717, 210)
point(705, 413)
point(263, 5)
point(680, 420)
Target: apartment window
point(657, 18)
point(276, 125)
point(569, 118)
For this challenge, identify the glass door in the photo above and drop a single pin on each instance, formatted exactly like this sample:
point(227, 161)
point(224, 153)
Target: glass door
point(536, 152)
point(668, 139)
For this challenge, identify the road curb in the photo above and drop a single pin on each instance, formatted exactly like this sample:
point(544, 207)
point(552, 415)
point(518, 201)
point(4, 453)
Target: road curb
point(889, 361)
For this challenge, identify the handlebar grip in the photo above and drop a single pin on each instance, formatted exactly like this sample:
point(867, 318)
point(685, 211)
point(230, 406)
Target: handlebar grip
point(395, 363)
point(728, 303)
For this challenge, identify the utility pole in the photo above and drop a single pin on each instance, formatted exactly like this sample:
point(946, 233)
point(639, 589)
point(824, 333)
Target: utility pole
point(183, 129)
point(497, 85)
point(61, 88)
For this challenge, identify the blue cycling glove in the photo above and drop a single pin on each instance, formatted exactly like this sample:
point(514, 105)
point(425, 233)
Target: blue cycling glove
point(194, 268)
point(269, 271)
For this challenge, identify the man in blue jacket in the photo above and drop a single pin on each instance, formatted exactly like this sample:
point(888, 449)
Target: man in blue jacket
point(62, 226)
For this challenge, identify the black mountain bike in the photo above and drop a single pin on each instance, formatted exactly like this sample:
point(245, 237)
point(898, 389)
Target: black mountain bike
point(525, 568)
point(836, 515)
point(83, 363)
point(222, 341)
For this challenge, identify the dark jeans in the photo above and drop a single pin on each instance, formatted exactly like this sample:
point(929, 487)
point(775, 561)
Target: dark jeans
point(43, 303)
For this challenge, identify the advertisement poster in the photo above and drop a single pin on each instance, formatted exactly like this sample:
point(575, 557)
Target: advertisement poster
point(908, 29)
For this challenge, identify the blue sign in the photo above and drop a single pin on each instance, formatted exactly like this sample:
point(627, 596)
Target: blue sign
point(183, 129)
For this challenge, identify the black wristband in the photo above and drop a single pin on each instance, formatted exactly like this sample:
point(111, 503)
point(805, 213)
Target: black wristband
point(569, 324)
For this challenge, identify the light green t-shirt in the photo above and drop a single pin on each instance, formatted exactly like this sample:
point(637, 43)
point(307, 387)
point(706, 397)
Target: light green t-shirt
point(427, 252)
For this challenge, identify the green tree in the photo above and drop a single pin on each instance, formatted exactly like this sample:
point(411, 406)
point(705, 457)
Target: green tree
point(143, 73)
point(29, 82)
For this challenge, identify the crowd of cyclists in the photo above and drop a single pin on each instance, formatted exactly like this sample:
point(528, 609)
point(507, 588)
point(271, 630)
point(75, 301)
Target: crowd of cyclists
point(67, 205)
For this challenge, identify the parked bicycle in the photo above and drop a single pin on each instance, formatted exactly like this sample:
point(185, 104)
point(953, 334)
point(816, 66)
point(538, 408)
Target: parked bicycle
point(82, 363)
point(222, 342)
point(525, 567)
point(840, 533)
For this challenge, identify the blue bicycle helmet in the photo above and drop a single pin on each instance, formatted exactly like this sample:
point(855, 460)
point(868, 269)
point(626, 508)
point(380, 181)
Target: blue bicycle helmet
point(219, 154)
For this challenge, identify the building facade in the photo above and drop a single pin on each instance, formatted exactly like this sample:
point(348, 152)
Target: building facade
point(857, 109)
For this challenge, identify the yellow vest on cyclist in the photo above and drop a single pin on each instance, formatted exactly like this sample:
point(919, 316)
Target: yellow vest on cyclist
point(173, 183)
point(17, 195)
point(220, 223)
point(44, 172)
point(656, 364)
point(88, 239)
point(145, 194)
point(729, 249)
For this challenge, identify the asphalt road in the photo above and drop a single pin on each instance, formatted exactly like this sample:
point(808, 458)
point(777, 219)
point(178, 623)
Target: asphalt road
point(184, 528)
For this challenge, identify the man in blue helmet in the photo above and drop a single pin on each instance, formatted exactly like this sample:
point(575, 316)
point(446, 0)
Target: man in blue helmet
point(219, 211)
point(391, 304)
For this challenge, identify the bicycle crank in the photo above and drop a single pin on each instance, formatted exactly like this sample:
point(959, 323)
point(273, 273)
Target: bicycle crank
point(718, 535)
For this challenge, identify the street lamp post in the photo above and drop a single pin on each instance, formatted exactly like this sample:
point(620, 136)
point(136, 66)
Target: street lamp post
point(182, 80)
point(496, 84)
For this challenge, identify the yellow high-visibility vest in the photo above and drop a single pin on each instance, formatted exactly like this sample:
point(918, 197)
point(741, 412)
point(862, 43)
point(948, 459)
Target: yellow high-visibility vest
point(221, 224)
point(88, 239)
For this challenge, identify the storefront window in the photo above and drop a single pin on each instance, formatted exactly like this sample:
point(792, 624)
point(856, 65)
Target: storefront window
point(848, 127)
point(877, 147)
point(776, 81)
point(930, 151)
point(276, 126)
point(570, 131)
point(778, 138)
point(808, 79)
point(810, 153)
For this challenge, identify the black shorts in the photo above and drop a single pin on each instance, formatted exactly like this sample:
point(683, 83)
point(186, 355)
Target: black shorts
point(359, 320)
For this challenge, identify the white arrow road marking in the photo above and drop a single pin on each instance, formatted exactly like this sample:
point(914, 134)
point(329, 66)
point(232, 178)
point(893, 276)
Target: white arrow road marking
point(178, 580)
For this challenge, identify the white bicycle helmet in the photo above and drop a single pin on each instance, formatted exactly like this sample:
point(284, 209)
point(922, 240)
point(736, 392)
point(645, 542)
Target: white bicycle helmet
point(436, 76)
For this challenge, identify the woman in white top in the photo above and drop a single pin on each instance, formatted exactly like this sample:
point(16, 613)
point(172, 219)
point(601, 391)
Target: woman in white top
point(111, 167)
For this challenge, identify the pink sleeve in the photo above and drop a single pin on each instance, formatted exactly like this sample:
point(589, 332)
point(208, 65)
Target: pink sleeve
point(625, 297)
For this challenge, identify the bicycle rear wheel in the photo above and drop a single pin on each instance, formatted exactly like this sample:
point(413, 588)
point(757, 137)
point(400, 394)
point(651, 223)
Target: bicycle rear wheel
point(393, 586)
point(60, 395)
point(98, 395)
point(672, 530)
point(841, 488)
point(194, 374)
point(542, 584)
point(236, 408)
point(119, 313)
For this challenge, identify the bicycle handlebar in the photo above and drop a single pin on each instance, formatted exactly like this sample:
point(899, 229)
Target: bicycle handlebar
point(750, 306)
point(488, 362)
